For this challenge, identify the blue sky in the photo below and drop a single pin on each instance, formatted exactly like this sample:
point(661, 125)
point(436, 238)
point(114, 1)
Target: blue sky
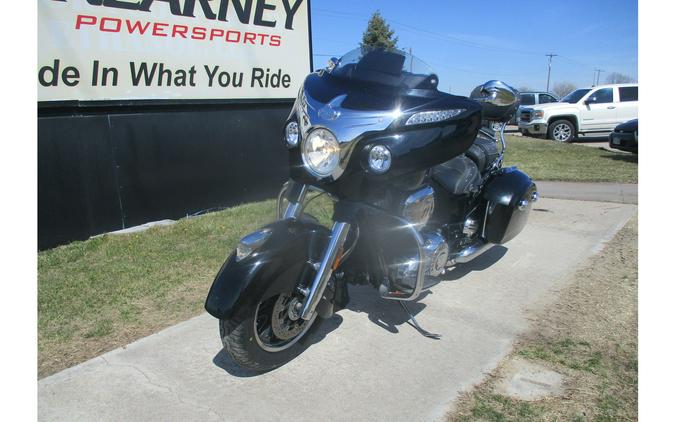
point(469, 42)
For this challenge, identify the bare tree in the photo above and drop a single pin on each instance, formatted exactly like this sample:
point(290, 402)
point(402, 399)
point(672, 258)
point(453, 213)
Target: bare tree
point(618, 78)
point(563, 88)
point(525, 88)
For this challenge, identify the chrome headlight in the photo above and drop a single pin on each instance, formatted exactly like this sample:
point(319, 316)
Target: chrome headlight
point(292, 134)
point(538, 114)
point(379, 159)
point(433, 116)
point(320, 152)
point(252, 241)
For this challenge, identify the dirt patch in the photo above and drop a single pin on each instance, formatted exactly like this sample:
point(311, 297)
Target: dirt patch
point(523, 379)
point(589, 336)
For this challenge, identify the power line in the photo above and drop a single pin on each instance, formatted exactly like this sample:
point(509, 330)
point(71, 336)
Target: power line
point(432, 34)
point(448, 38)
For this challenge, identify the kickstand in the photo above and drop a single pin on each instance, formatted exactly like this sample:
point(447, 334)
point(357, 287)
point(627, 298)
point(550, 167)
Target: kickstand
point(412, 321)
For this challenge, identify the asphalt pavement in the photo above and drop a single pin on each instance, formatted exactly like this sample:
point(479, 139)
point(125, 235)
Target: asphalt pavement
point(365, 363)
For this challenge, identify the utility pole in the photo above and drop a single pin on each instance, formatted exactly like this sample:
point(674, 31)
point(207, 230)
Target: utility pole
point(597, 80)
point(548, 79)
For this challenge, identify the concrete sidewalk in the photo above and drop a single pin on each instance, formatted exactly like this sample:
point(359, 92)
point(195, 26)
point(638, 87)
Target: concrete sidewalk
point(366, 363)
point(622, 193)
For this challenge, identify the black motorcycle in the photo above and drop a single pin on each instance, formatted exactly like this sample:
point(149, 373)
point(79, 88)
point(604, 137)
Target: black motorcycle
point(418, 186)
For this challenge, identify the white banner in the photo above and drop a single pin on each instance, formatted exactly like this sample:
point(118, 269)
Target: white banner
point(91, 50)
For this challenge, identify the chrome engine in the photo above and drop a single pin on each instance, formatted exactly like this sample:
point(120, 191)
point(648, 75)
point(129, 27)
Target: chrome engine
point(436, 253)
point(417, 209)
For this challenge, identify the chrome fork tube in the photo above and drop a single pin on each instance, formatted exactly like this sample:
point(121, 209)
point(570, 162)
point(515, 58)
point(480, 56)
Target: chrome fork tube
point(337, 240)
point(294, 208)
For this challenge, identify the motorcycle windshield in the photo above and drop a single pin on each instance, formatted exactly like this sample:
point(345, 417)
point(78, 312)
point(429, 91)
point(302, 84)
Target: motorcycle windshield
point(389, 67)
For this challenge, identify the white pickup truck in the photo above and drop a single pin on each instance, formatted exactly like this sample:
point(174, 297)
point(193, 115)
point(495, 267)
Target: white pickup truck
point(595, 110)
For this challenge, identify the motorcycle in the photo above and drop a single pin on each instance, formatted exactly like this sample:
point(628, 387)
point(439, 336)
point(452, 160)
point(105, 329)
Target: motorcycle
point(417, 184)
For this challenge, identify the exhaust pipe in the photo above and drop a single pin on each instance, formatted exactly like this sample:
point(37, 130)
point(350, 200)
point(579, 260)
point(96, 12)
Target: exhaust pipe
point(470, 252)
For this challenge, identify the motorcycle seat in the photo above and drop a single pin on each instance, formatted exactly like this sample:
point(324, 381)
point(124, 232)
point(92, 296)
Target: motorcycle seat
point(458, 176)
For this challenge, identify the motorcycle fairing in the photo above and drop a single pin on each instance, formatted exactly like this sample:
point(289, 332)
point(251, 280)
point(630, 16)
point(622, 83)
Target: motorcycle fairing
point(361, 114)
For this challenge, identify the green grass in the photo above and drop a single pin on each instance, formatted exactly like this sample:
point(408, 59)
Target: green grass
point(578, 355)
point(544, 159)
point(107, 291)
point(499, 408)
point(100, 293)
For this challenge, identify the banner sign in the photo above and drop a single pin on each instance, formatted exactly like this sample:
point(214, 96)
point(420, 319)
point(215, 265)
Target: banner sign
point(93, 50)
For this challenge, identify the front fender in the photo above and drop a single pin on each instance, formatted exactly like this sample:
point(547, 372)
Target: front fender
point(278, 264)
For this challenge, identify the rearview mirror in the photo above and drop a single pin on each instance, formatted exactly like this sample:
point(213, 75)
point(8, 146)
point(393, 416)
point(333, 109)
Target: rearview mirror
point(332, 62)
point(499, 100)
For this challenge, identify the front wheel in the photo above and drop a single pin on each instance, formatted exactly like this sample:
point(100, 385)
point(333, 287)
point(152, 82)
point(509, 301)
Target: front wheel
point(562, 131)
point(269, 334)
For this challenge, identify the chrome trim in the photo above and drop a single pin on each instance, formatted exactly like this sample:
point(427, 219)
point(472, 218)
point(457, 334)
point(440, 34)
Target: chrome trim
point(470, 226)
point(294, 208)
point(487, 211)
point(498, 162)
point(419, 282)
point(337, 240)
point(495, 93)
point(280, 198)
point(421, 200)
point(436, 252)
point(251, 242)
point(471, 252)
point(345, 124)
point(310, 188)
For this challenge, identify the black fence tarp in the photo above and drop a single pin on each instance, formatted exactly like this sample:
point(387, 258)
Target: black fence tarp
point(107, 169)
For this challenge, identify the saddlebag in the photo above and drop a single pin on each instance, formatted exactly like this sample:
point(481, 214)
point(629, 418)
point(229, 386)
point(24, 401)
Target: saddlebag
point(509, 196)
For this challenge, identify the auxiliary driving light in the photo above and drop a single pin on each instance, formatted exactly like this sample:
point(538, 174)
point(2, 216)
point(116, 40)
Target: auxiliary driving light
point(379, 159)
point(292, 134)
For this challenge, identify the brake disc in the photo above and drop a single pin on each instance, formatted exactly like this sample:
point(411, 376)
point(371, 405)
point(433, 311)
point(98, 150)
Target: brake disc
point(285, 323)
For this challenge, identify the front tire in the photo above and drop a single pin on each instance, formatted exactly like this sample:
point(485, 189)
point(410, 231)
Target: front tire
point(562, 131)
point(265, 337)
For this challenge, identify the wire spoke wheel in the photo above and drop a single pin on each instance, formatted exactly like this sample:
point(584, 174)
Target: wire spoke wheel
point(277, 323)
